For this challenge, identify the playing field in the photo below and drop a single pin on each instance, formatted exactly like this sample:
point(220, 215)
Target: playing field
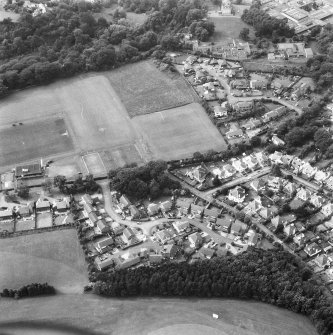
point(144, 89)
point(33, 140)
point(227, 28)
point(53, 257)
point(88, 314)
point(179, 132)
point(94, 163)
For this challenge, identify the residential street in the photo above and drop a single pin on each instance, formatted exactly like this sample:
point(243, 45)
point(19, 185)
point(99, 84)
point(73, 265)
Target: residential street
point(302, 181)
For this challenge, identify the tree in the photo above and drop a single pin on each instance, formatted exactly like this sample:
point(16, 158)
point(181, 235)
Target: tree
point(276, 171)
point(216, 181)
point(60, 182)
point(47, 186)
point(244, 34)
point(23, 191)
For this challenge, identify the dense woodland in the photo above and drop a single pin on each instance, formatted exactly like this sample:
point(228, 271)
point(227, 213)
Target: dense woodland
point(32, 290)
point(264, 24)
point(274, 277)
point(139, 182)
point(68, 39)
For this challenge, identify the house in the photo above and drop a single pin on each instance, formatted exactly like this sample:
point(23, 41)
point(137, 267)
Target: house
point(117, 228)
point(239, 84)
point(103, 226)
point(166, 206)
point(252, 124)
point(200, 173)
point(212, 212)
point(200, 77)
point(163, 236)
point(103, 263)
point(155, 258)
point(29, 171)
point(290, 230)
point(209, 87)
point(170, 251)
point(153, 209)
point(329, 183)
point(188, 69)
point(327, 210)
point(308, 170)
point(299, 239)
point(299, 227)
point(93, 218)
point(127, 263)
point(229, 170)
point(253, 207)
point(290, 188)
point(317, 200)
point(195, 240)
point(103, 244)
point(180, 226)
point(323, 261)
point(220, 111)
point(234, 133)
point(128, 235)
point(276, 157)
point(239, 165)
point(258, 185)
point(124, 201)
point(261, 158)
point(275, 184)
point(320, 176)
point(225, 224)
point(297, 164)
point(191, 59)
point(253, 238)
point(274, 114)
point(287, 159)
point(62, 206)
point(196, 210)
point(25, 211)
point(135, 213)
point(237, 194)
point(238, 228)
point(208, 252)
point(279, 220)
point(277, 141)
point(6, 215)
point(251, 162)
point(312, 249)
point(88, 208)
point(304, 194)
point(43, 206)
point(86, 198)
point(257, 84)
point(243, 106)
point(267, 213)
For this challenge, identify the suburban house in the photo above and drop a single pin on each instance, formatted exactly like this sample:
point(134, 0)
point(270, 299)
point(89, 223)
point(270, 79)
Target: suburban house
point(251, 162)
point(196, 209)
point(135, 213)
point(297, 164)
point(299, 239)
point(155, 258)
point(276, 157)
point(323, 261)
point(117, 228)
point(200, 77)
point(267, 213)
point(320, 176)
point(239, 84)
point(103, 263)
point(170, 251)
point(224, 224)
point(103, 226)
point(43, 205)
point(276, 184)
point(229, 170)
point(163, 236)
point(25, 211)
point(220, 111)
point(234, 133)
point(278, 220)
point(195, 240)
point(253, 207)
point(258, 185)
point(6, 215)
point(128, 262)
point(29, 171)
point(327, 210)
point(103, 244)
point(128, 235)
point(317, 200)
point(237, 194)
point(124, 201)
point(88, 208)
point(252, 124)
point(200, 173)
point(166, 206)
point(277, 141)
point(304, 194)
point(153, 209)
point(290, 188)
point(62, 206)
point(180, 226)
point(212, 212)
point(274, 114)
point(257, 84)
point(86, 198)
point(238, 228)
point(308, 170)
point(253, 238)
point(312, 249)
point(207, 252)
point(329, 183)
point(243, 106)
point(93, 218)
point(239, 165)
point(290, 230)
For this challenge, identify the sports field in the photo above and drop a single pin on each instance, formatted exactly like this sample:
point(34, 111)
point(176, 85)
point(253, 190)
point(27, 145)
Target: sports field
point(89, 314)
point(179, 132)
point(144, 89)
point(53, 257)
point(33, 140)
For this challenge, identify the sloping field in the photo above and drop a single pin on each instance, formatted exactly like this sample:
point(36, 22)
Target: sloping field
point(53, 257)
point(88, 314)
point(33, 140)
point(179, 132)
point(144, 89)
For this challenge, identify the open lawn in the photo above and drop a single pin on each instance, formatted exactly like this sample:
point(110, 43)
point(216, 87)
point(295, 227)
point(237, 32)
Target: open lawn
point(144, 89)
point(179, 132)
point(227, 28)
point(54, 257)
point(33, 140)
point(89, 314)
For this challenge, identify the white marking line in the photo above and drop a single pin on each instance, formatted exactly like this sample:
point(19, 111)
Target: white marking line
point(85, 164)
point(162, 116)
point(100, 159)
point(82, 112)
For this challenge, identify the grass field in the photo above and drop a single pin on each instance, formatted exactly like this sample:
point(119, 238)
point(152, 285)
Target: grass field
point(144, 89)
point(88, 314)
point(179, 132)
point(94, 163)
point(33, 140)
point(53, 257)
point(227, 28)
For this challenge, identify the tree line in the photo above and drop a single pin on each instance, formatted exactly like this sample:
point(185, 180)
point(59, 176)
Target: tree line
point(140, 182)
point(32, 290)
point(271, 276)
point(68, 39)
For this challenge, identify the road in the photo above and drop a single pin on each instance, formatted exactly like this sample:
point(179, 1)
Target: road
point(302, 181)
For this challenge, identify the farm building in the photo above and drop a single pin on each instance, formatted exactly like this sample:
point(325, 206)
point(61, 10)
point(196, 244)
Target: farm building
point(6, 215)
point(43, 205)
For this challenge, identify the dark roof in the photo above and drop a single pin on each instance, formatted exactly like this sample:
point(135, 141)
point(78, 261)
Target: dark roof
point(27, 170)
